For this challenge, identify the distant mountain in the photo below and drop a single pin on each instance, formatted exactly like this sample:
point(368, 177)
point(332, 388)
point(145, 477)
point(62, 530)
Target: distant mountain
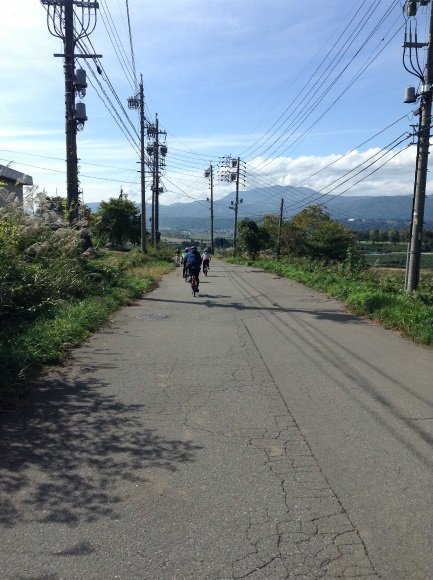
point(264, 201)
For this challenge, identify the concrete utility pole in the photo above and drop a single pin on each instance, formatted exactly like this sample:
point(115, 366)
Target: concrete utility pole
point(137, 102)
point(157, 151)
point(235, 226)
point(227, 174)
point(142, 170)
point(415, 243)
point(209, 173)
point(280, 227)
point(63, 24)
point(70, 125)
point(156, 183)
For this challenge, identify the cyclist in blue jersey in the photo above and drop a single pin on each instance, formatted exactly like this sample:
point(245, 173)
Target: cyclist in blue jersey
point(193, 263)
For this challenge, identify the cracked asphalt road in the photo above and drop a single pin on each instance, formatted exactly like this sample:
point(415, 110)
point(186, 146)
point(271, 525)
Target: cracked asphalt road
point(258, 431)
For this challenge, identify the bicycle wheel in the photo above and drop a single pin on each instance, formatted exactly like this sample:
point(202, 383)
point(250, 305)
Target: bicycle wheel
point(193, 285)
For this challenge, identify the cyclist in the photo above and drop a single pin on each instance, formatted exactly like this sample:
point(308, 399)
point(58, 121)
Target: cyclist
point(184, 259)
point(206, 259)
point(193, 262)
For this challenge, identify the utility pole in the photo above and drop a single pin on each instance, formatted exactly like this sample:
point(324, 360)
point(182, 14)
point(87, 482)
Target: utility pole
point(142, 171)
point(64, 24)
point(70, 127)
point(209, 173)
point(425, 110)
point(156, 183)
point(137, 102)
point(280, 227)
point(235, 225)
point(227, 165)
point(157, 151)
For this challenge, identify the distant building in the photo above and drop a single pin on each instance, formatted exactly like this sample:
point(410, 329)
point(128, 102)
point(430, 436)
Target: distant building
point(12, 181)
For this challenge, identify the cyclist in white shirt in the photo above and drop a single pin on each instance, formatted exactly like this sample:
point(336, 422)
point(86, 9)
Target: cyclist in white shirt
point(206, 259)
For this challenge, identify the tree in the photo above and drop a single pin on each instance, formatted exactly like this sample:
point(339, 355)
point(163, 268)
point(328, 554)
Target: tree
point(394, 236)
point(252, 238)
point(222, 243)
point(374, 235)
point(427, 240)
point(383, 235)
point(116, 221)
point(271, 224)
point(362, 235)
point(404, 235)
point(316, 235)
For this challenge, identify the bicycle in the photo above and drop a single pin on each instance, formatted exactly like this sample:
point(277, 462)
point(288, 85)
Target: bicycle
point(205, 269)
point(185, 273)
point(194, 287)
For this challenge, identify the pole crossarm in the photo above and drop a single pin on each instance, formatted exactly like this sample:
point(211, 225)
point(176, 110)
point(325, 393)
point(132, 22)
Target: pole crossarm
point(79, 55)
point(75, 3)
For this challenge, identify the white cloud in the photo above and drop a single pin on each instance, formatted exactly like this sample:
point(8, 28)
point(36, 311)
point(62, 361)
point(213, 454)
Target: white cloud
point(215, 71)
point(337, 173)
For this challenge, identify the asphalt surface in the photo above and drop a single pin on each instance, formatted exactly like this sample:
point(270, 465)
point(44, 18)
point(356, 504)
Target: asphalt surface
point(256, 431)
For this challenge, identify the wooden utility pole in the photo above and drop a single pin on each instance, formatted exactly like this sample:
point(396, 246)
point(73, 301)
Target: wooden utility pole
point(414, 257)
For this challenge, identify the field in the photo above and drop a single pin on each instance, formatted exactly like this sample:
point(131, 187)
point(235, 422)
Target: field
point(396, 260)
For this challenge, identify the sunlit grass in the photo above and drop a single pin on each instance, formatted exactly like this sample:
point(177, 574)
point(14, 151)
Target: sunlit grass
point(379, 296)
point(28, 347)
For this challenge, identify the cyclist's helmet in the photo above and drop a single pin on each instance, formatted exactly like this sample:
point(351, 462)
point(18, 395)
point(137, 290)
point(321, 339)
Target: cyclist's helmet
point(186, 249)
point(194, 248)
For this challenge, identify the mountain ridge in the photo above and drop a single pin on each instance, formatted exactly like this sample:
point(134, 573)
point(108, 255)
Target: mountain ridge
point(259, 202)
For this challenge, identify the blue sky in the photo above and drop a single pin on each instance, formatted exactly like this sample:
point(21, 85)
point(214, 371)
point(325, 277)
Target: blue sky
point(288, 86)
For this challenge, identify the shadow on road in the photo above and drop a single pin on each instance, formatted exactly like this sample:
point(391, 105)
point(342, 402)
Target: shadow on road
point(334, 315)
point(63, 457)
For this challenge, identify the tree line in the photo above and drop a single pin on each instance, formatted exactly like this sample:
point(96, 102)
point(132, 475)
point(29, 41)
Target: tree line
point(312, 232)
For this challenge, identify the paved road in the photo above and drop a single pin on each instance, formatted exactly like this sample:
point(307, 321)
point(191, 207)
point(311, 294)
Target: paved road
point(258, 431)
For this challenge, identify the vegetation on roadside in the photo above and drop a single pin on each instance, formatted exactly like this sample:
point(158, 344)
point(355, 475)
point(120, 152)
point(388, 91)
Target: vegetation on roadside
point(319, 252)
point(117, 222)
point(54, 293)
point(376, 295)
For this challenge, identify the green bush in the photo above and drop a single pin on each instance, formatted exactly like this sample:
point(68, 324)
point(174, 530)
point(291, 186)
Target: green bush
point(52, 295)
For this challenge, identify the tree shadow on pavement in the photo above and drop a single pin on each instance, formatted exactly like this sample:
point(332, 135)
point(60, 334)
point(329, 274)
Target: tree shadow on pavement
point(64, 457)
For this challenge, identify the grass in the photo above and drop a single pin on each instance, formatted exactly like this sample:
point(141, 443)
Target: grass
point(30, 346)
point(376, 295)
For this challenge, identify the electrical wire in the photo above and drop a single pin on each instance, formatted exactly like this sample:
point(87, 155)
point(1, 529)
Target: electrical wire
point(320, 76)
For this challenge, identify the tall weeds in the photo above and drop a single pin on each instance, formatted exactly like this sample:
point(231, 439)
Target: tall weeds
point(52, 295)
